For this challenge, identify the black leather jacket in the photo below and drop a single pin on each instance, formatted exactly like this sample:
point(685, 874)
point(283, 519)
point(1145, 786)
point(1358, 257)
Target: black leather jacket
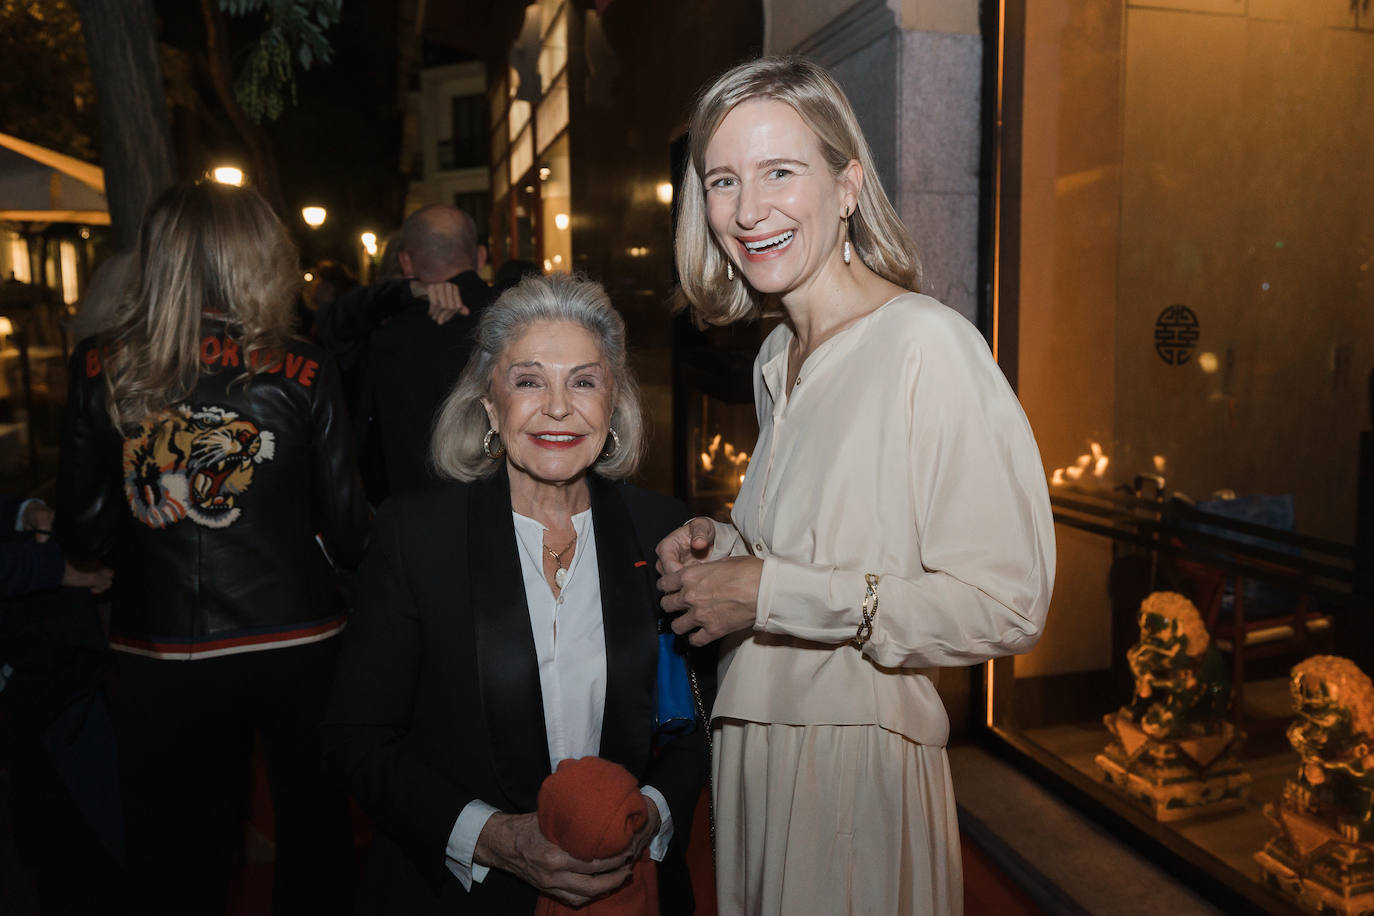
point(208, 512)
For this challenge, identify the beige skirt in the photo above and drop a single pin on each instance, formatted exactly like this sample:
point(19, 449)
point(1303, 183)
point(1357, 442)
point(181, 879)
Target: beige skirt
point(833, 820)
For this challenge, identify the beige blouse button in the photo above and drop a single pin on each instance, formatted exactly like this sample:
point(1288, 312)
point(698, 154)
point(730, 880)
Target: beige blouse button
point(758, 547)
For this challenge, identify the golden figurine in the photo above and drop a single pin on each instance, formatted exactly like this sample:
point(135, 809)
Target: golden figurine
point(1323, 855)
point(1173, 750)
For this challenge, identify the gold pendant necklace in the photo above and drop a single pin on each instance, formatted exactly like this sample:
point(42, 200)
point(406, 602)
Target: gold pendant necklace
point(560, 575)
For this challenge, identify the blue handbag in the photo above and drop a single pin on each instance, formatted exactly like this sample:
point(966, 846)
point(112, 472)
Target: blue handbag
point(678, 705)
point(675, 703)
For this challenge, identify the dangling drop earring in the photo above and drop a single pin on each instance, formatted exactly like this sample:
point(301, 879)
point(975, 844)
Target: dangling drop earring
point(729, 270)
point(846, 254)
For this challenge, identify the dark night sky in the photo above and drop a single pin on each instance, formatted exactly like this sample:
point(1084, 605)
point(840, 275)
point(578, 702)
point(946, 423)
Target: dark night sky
point(339, 146)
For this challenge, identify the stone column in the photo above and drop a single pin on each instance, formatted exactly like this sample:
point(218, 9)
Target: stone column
point(913, 71)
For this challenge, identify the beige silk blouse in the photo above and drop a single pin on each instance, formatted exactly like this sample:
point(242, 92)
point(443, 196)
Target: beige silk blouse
point(901, 451)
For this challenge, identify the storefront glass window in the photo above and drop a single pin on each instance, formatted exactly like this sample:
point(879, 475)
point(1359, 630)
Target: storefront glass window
point(1193, 295)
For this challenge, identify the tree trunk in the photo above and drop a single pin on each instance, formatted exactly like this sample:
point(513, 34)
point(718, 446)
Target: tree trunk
point(135, 136)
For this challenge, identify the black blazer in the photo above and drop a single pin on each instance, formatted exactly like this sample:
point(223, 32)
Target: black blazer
point(437, 699)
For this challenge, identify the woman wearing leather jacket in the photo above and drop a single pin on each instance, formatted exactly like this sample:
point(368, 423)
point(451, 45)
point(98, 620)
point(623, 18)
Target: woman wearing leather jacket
point(206, 458)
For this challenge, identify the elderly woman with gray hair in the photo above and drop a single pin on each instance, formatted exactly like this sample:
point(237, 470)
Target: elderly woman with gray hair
point(508, 622)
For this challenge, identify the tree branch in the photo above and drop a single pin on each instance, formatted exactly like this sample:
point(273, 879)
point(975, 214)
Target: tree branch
point(265, 174)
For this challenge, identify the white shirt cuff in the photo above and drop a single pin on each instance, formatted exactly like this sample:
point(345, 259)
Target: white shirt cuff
point(728, 542)
point(462, 843)
point(658, 846)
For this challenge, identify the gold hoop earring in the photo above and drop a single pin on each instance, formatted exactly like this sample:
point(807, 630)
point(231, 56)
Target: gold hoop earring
point(486, 445)
point(614, 442)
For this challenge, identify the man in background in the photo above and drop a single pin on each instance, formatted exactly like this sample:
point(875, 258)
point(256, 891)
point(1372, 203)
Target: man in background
point(406, 340)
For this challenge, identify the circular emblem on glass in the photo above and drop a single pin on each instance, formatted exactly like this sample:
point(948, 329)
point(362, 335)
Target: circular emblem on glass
point(1176, 334)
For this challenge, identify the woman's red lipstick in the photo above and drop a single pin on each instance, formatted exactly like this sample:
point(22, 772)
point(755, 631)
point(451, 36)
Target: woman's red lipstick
point(553, 443)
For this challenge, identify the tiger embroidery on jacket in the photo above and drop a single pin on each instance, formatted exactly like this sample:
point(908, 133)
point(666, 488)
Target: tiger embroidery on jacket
point(183, 463)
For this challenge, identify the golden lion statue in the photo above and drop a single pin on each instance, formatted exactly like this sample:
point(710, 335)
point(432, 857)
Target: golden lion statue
point(1334, 734)
point(1181, 684)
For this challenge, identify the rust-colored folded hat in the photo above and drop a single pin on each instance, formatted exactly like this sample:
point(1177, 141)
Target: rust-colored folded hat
point(591, 808)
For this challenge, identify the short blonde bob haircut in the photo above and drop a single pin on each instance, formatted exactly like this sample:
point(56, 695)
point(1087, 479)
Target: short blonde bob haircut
point(877, 234)
point(461, 425)
point(205, 251)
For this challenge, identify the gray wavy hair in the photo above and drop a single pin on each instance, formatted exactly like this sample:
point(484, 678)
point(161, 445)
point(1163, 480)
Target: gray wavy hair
point(456, 448)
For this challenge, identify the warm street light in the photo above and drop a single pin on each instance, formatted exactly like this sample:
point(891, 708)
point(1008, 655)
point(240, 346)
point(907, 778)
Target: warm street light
point(665, 192)
point(561, 220)
point(228, 174)
point(369, 240)
point(313, 216)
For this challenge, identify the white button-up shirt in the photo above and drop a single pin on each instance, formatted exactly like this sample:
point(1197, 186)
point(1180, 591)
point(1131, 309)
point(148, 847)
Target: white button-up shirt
point(569, 639)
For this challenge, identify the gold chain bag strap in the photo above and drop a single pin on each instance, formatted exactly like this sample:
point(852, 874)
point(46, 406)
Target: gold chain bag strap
point(705, 723)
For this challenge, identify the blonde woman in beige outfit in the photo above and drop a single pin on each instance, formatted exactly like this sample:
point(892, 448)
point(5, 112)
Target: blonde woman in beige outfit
point(894, 518)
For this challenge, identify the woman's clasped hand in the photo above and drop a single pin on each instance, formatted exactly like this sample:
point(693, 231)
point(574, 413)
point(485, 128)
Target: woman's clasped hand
point(712, 599)
point(514, 843)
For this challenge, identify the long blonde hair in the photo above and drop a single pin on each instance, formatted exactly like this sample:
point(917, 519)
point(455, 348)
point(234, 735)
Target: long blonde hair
point(204, 249)
point(880, 240)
